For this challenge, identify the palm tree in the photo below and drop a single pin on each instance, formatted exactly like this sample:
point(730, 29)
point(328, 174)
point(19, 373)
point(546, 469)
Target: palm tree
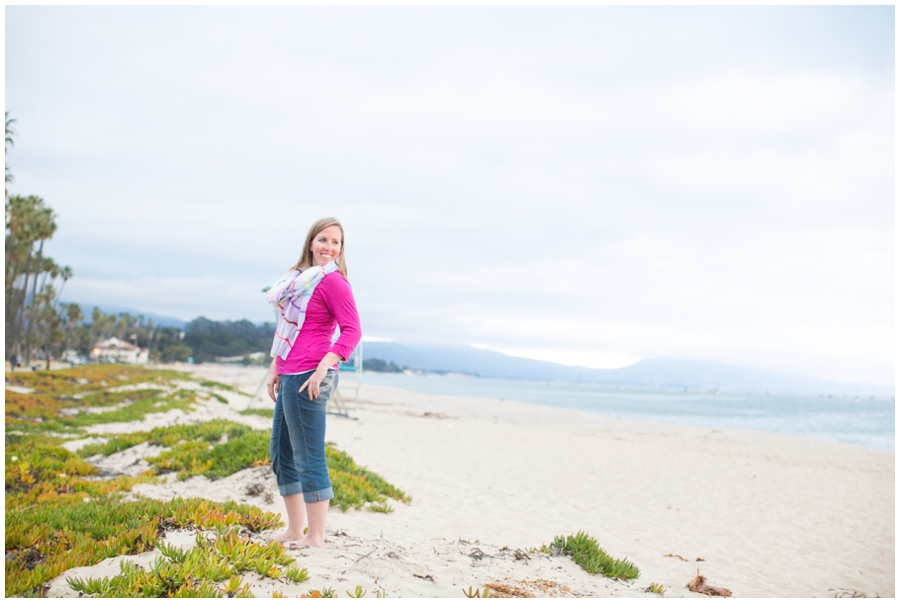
point(9, 142)
point(65, 274)
point(45, 227)
point(9, 131)
point(31, 301)
point(28, 221)
point(71, 317)
point(125, 323)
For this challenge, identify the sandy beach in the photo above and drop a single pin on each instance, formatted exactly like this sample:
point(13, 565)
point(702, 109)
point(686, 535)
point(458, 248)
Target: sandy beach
point(763, 515)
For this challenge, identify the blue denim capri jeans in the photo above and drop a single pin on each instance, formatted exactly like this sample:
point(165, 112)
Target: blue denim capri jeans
point(297, 448)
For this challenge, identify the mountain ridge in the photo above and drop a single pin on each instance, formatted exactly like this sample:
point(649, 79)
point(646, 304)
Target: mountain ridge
point(663, 372)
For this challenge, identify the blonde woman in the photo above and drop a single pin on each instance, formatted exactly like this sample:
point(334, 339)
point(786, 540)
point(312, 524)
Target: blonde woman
point(310, 300)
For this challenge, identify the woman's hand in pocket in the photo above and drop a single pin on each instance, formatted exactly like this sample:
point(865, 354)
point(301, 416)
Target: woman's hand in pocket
point(314, 382)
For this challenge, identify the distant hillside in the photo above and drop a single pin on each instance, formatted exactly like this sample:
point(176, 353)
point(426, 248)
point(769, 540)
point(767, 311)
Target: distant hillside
point(667, 372)
point(210, 339)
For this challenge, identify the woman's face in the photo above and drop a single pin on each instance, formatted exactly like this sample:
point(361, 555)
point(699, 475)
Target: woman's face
point(326, 245)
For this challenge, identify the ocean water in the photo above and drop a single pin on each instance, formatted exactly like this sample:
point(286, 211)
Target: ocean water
point(861, 421)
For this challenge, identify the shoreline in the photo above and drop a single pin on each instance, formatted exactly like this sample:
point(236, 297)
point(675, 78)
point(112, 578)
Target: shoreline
point(838, 419)
point(769, 514)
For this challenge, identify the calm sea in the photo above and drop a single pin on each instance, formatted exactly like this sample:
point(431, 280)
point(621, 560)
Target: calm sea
point(862, 421)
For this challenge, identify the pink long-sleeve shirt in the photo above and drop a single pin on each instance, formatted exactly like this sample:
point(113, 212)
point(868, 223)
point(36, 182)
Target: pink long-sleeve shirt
point(331, 305)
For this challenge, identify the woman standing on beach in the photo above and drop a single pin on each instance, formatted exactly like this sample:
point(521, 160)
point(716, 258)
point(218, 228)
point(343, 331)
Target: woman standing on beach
point(309, 301)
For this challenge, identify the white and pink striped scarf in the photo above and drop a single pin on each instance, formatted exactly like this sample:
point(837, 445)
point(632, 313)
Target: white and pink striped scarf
point(289, 297)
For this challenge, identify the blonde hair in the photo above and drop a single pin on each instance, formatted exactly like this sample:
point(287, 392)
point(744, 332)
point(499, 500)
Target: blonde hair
point(306, 259)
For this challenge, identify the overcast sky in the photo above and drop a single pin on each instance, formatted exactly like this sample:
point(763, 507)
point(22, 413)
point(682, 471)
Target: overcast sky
point(586, 185)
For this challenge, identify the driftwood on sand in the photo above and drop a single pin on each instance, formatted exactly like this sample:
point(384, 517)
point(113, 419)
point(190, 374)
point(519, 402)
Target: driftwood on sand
point(699, 585)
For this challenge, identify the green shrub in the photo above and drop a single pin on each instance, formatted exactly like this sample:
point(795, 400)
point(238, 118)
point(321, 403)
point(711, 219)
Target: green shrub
point(586, 552)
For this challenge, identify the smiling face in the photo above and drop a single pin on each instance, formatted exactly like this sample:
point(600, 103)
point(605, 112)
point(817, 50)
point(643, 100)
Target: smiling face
point(326, 245)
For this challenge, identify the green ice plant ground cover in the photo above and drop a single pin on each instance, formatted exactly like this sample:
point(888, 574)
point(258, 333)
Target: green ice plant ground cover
point(220, 448)
point(198, 571)
point(59, 517)
point(210, 384)
point(262, 412)
point(586, 552)
point(59, 400)
point(215, 449)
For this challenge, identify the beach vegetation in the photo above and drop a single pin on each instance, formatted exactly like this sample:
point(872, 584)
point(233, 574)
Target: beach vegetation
point(221, 448)
point(58, 517)
point(136, 408)
point(61, 514)
point(381, 508)
point(90, 378)
point(229, 388)
point(262, 412)
point(586, 552)
point(656, 588)
point(359, 593)
point(296, 575)
point(354, 485)
point(35, 462)
point(214, 449)
point(217, 397)
point(59, 401)
point(478, 594)
point(74, 524)
point(209, 432)
point(213, 568)
point(325, 593)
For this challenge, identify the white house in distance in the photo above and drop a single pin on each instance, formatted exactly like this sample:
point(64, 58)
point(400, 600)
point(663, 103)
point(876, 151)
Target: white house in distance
point(116, 350)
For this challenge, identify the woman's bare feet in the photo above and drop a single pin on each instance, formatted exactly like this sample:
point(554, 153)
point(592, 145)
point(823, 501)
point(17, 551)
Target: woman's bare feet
point(296, 516)
point(284, 537)
point(306, 542)
point(316, 515)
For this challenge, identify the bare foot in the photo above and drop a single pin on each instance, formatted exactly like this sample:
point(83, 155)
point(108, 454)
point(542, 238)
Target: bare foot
point(283, 537)
point(305, 543)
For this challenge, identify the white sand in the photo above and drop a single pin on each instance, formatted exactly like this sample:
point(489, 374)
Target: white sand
point(770, 515)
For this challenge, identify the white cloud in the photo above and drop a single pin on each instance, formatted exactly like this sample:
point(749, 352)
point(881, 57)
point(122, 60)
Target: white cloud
point(638, 181)
point(371, 338)
point(210, 297)
point(748, 102)
point(585, 357)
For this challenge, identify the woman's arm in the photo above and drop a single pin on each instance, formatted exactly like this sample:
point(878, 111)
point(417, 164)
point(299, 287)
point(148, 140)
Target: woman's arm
point(274, 381)
point(340, 302)
point(338, 297)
